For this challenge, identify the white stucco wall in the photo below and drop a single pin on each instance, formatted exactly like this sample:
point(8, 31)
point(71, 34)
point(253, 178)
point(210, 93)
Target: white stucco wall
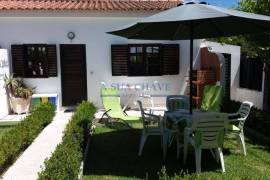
point(4, 69)
point(237, 93)
point(90, 29)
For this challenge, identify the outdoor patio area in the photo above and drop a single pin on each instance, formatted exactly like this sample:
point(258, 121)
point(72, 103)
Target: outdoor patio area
point(114, 147)
point(135, 90)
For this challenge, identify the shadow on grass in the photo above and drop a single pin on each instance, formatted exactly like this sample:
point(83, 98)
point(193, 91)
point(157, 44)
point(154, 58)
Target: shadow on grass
point(119, 125)
point(115, 153)
point(253, 140)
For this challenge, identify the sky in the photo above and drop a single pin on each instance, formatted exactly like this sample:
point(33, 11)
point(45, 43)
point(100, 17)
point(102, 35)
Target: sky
point(223, 3)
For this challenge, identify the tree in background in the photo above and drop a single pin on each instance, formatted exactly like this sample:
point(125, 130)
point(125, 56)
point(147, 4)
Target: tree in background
point(259, 44)
point(255, 45)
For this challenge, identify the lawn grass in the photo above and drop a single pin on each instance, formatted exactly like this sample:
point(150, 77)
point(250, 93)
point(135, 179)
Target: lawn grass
point(5, 126)
point(113, 155)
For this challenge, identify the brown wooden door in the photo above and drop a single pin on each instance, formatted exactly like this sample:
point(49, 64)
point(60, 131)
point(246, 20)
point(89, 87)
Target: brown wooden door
point(73, 73)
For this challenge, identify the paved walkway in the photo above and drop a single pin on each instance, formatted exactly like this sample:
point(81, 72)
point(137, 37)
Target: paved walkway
point(30, 162)
point(13, 117)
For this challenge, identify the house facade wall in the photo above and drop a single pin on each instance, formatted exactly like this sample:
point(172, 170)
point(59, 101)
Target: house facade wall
point(90, 29)
point(238, 93)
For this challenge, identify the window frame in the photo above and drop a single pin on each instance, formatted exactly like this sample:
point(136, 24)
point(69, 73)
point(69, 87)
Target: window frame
point(145, 62)
point(169, 58)
point(44, 59)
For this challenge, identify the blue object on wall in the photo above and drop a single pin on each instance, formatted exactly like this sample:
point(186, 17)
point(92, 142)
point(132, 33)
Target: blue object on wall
point(53, 101)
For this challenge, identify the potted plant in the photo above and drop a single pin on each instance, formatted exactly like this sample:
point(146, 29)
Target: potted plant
point(19, 95)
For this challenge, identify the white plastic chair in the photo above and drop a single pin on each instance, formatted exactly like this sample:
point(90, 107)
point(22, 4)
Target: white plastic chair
point(176, 103)
point(207, 132)
point(152, 126)
point(150, 99)
point(235, 126)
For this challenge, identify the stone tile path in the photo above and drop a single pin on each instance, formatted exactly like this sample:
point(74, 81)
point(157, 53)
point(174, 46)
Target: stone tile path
point(13, 117)
point(30, 162)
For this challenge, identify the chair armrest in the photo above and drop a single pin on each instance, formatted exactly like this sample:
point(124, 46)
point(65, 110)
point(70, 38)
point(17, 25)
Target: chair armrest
point(232, 114)
point(152, 118)
point(152, 115)
point(236, 120)
point(155, 119)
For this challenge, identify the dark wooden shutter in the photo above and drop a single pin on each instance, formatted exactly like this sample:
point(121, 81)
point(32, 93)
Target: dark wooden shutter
point(243, 72)
point(52, 60)
point(170, 59)
point(227, 75)
point(257, 68)
point(119, 55)
point(17, 52)
point(251, 71)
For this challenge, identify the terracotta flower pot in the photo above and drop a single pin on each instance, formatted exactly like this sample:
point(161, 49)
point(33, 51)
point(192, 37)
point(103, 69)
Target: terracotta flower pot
point(20, 105)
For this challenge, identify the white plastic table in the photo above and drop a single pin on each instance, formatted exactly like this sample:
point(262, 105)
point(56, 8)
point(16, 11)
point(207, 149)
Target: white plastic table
point(184, 115)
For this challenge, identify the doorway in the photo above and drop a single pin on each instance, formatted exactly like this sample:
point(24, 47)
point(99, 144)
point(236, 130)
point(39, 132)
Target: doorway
point(73, 73)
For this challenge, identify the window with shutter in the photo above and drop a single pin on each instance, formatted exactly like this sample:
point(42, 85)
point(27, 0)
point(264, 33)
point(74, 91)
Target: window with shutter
point(251, 73)
point(119, 61)
point(34, 60)
point(17, 53)
point(145, 59)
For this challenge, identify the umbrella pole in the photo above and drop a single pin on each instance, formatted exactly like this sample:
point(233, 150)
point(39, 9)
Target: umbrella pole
point(191, 69)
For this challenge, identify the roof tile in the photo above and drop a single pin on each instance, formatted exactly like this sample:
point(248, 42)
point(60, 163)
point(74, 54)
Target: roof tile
point(89, 5)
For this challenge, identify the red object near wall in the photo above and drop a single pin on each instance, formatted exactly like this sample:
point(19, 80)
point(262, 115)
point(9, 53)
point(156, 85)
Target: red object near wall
point(210, 61)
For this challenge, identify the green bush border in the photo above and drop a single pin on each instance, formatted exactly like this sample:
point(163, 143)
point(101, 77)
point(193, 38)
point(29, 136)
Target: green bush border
point(17, 139)
point(66, 160)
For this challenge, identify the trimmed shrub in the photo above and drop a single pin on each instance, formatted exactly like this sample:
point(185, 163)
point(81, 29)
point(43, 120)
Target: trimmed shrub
point(17, 139)
point(66, 159)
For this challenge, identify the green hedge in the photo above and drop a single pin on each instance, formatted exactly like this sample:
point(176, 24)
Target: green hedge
point(17, 139)
point(65, 161)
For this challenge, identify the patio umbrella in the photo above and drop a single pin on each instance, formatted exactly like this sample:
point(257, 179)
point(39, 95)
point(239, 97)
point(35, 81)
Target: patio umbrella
point(195, 21)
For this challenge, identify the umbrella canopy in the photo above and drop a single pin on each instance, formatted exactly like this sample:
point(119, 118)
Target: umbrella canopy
point(195, 21)
point(205, 21)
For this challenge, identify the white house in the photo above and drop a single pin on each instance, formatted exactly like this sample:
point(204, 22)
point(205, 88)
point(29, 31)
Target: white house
point(62, 47)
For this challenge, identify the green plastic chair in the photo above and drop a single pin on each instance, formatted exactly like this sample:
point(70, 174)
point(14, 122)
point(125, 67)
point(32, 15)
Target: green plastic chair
point(212, 98)
point(207, 132)
point(235, 124)
point(111, 102)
